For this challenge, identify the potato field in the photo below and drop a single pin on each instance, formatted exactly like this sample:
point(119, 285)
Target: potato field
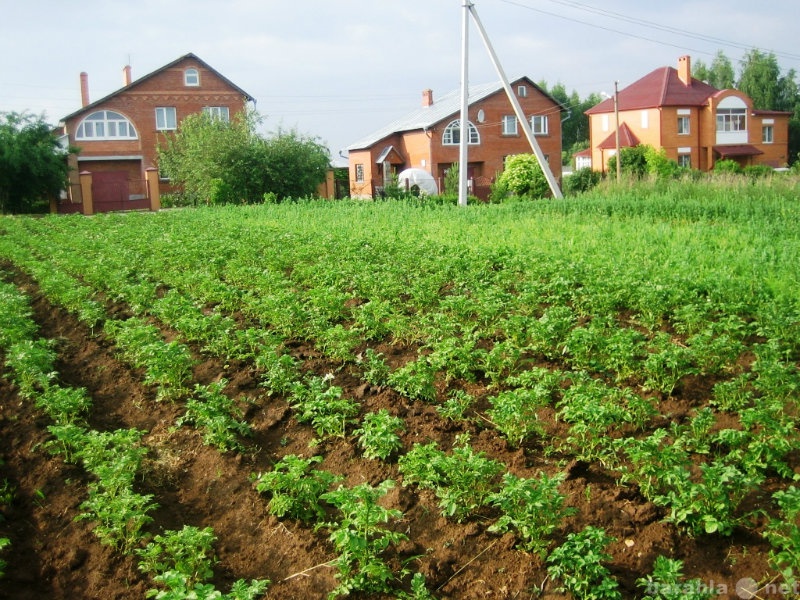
point(594, 398)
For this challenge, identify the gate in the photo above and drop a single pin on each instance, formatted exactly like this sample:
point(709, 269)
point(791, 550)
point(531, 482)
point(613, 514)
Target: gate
point(112, 190)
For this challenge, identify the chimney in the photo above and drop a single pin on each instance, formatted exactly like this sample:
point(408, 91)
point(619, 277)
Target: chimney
point(126, 75)
point(685, 70)
point(427, 97)
point(84, 89)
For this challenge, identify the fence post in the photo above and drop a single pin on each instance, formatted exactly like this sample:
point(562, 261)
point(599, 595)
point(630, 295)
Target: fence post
point(153, 191)
point(86, 192)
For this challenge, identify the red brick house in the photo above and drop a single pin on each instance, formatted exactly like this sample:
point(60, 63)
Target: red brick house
point(118, 134)
point(428, 138)
point(695, 123)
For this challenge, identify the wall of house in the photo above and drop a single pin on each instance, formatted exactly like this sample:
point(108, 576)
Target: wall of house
point(487, 158)
point(424, 148)
point(138, 104)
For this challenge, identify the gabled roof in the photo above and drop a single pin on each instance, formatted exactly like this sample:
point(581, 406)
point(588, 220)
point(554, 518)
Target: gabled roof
point(138, 81)
point(627, 139)
point(448, 105)
point(662, 87)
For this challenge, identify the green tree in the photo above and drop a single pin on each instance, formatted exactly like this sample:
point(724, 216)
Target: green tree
point(760, 79)
point(294, 165)
point(720, 74)
point(523, 177)
point(33, 165)
point(216, 161)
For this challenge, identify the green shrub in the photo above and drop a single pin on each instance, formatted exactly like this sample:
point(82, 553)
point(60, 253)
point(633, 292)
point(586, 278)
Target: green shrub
point(580, 181)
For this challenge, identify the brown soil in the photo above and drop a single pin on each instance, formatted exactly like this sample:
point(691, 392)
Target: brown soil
point(54, 556)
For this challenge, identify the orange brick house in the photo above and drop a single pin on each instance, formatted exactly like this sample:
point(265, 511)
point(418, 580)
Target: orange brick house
point(428, 138)
point(118, 134)
point(695, 123)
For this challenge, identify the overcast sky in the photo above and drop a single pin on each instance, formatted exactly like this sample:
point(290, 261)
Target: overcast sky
point(339, 70)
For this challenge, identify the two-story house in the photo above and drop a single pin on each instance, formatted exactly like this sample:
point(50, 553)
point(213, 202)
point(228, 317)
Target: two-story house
point(695, 123)
point(428, 138)
point(118, 134)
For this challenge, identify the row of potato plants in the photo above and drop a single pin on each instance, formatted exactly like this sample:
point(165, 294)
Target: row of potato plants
point(448, 335)
point(179, 561)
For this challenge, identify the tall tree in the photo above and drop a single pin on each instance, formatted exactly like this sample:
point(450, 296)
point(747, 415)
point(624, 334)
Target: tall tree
point(760, 79)
point(33, 165)
point(720, 74)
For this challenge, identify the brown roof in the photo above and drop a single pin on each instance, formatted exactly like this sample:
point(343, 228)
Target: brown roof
point(626, 139)
point(662, 87)
point(737, 150)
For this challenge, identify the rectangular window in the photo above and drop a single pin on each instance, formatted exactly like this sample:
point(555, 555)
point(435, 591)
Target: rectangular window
point(683, 125)
point(731, 119)
point(191, 77)
point(685, 161)
point(645, 119)
point(539, 124)
point(509, 125)
point(767, 134)
point(359, 173)
point(218, 112)
point(166, 118)
point(522, 91)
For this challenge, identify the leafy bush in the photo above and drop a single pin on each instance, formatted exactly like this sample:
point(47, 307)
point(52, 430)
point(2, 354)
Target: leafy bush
point(360, 537)
point(581, 181)
point(727, 165)
point(296, 487)
point(181, 561)
point(577, 563)
point(534, 508)
point(667, 583)
point(522, 177)
point(378, 434)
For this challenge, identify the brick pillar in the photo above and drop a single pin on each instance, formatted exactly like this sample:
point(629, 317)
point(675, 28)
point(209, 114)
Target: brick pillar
point(153, 191)
point(86, 192)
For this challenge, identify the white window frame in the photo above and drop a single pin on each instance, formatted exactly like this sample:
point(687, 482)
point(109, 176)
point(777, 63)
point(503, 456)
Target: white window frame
point(510, 125)
point(685, 160)
point(166, 118)
point(767, 134)
point(218, 112)
point(105, 125)
point(731, 119)
point(522, 91)
point(191, 77)
point(540, 125)
point(452, 134)
point(684, 125)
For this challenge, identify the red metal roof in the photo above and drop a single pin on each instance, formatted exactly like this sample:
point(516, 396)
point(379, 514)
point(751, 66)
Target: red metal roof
point(662, 87)
point(626, 139)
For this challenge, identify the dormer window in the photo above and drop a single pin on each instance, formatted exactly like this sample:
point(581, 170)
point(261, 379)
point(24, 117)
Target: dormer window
point(191, 77)
point(105, 125)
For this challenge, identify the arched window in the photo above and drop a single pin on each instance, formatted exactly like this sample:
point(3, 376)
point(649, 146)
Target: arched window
point(105, 125)
point(191, 77)
point(452, 134)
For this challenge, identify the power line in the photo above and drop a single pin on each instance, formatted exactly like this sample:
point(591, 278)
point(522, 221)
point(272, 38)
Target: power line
point(644, 23)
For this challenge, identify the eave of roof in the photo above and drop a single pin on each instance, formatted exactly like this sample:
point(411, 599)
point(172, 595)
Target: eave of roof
point(448, 105)
point(138, 81)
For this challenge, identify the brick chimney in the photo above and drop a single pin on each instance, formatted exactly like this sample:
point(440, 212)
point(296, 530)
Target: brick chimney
point(126, 75)
point(685, 70)
point(84, 89)
point(427, 97)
